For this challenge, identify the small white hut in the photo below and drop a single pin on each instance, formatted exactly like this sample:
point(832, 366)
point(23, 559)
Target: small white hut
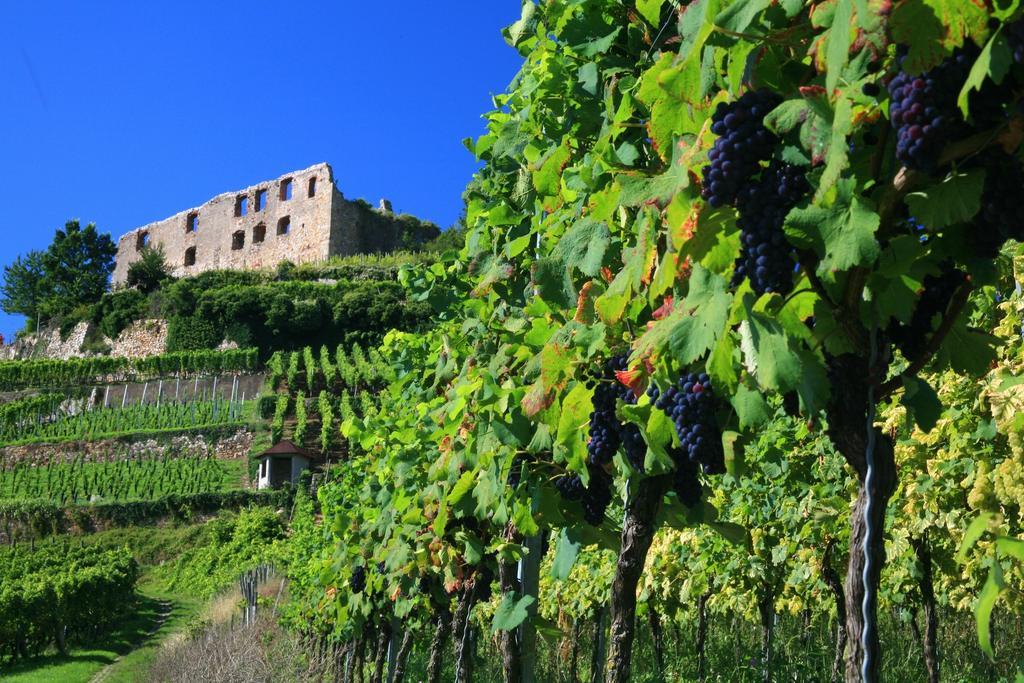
point(281, 464)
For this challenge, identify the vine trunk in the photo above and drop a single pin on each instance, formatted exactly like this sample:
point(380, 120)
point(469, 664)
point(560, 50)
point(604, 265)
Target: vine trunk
point(931, 618)
point(848, 428)
point(442, 627)
point(637, 533)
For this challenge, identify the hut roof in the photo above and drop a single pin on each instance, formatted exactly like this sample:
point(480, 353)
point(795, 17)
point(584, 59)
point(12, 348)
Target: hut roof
point(286, 448)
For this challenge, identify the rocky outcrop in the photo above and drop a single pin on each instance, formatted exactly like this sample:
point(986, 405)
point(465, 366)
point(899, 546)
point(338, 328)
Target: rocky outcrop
point(140, 339)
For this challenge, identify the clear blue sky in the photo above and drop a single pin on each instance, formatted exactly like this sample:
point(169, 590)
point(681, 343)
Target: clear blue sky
point(122, 113)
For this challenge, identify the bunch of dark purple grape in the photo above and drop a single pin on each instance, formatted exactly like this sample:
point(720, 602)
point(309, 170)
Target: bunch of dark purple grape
point(912, 338)
point(520, 464)
point(358, 582)
point(595, 497)
point(743, 143)
point(765, 254)
point(685, 481)
point(1002, 213)
point(691, 405)
point(923, 109)
point(607, 432)
point(1015, 37)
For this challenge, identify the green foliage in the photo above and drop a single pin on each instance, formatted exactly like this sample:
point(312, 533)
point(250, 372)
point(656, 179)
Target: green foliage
point(88, 371)
point(588, 235)
point(122, 478)
point(105, 423)
point(192, 333)
point(62, 282)
point(150, 271)
point(22, 290)
point(232, 545)
point(117, 310)
point(24, 520)
point(301, 419)
point(63, 590)
point(280, 411)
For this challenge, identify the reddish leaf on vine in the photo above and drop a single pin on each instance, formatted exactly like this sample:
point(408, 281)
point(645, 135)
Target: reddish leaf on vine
point(634, 379)
point(666, 307)
point(537, 399)
point(585, 303)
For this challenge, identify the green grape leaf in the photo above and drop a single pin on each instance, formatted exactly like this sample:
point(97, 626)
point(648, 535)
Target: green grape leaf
point(650, 10)
point(837, 45)
point(990, 592)
point(843, 233)
point(767, 353)
point(611, 305)
point(583, 246)
point(522, 29)
point(732, 532)
point(546, 179)
point(597, 46)
point(967, 351)
point(953, 200)
point(738, 16)
point(1014, 547)
point(566, 551)
point(922, 401)
point(511, 612)
point(695, 25)
point(720, 365)
point(551, 277)
point(640, 189)
point(787, 116)
point(814, 387)
point(463, 486)
point(975, 530)
point(932, 28)
point(570, 439)
point(750, 407)
point(733, 445)
point(993, 62)
point(588, 75)
point(707, 306)
point(523, 519)
point(837, 157)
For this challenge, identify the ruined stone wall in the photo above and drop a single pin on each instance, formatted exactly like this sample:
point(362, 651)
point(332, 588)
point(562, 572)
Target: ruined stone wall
point(312, 224)
point(215, 236)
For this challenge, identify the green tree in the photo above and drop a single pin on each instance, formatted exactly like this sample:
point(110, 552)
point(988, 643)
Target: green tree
point(76, 268)
point(22, 288)
point(150, 271)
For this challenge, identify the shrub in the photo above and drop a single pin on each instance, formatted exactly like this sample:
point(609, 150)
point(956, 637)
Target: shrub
point(117, 310)
point(192, 333)
point(149, 272)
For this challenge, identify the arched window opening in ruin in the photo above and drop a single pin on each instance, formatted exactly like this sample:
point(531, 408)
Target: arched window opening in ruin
point(312, 186)
point(238, 240)
point(192, 222)
point(261, 200)
point(259, 233)
point(286, 190)
point(190, 256)
point(241, 205)
point(142, 241)
point(284, 226)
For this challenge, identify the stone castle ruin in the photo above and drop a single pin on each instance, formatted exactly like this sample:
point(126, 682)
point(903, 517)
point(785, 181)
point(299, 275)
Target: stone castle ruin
point(299, 217)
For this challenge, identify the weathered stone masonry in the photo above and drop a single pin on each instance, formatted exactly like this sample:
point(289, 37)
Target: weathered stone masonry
point(299, 217)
